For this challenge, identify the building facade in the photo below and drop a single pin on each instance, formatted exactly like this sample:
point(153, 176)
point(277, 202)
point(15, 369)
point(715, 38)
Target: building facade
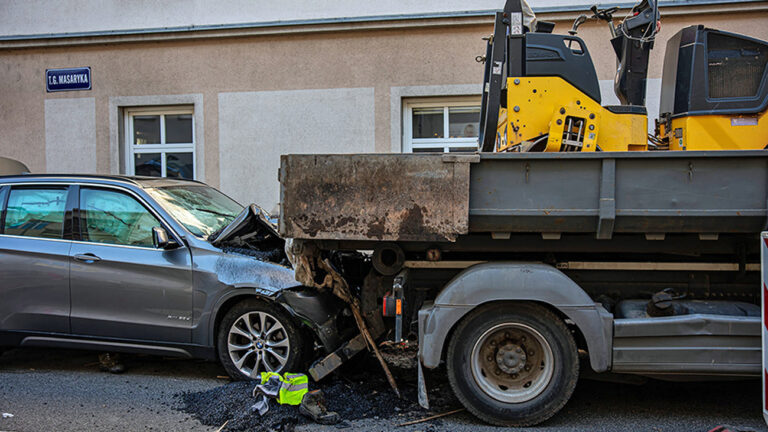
point(217, 91)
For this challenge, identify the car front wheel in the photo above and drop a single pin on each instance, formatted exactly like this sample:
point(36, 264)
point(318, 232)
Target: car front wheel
point(254, 337)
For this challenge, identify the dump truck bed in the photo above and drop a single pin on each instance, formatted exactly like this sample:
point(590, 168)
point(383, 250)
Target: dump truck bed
point(439, 197)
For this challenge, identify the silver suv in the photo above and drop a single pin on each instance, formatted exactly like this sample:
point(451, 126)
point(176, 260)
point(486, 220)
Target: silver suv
point(153, 265)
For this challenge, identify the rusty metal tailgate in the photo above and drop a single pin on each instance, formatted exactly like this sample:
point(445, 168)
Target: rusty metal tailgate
point(391, 197)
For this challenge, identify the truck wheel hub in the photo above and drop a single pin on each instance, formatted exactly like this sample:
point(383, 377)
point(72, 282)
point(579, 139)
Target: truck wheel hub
point(512, 362)
point(511, 358)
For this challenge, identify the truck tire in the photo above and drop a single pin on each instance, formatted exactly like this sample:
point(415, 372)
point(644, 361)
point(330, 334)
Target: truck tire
point(491, 358)
point(255, 336)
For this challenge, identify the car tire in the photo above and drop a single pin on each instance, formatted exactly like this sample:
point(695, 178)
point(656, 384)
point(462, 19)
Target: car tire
point(534, 348)
point(256, 336)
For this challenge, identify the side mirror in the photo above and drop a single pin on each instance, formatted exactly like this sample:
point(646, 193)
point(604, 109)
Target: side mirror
point(161, 240)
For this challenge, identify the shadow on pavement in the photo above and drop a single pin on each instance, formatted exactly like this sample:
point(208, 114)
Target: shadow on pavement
point(44, 359)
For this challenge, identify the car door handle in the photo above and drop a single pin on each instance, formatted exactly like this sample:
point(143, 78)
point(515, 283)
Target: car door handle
point(88, 258)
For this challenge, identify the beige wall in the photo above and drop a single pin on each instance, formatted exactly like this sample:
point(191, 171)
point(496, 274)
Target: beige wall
point(378, 60)
point(70, 135)
point(384, 61)
point(68, 16)
point(256, 127)
point(752, 24)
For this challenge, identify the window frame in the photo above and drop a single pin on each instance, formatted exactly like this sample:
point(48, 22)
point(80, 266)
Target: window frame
point(163, 148)
point(447, 143)
point(5, 192)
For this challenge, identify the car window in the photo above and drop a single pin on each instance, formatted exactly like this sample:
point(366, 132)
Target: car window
point(201, 209)
point(115, 218)
point(36, 212)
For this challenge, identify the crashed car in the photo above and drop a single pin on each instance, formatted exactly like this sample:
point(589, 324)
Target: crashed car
point(158, 266)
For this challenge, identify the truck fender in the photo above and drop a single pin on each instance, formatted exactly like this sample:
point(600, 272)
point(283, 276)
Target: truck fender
point(514, 281)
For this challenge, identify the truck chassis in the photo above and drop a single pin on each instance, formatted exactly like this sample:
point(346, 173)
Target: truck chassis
point(509, 265)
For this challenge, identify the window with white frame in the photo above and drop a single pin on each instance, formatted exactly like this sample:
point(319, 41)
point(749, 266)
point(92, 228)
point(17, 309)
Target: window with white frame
point(441, 125)
point(160, 142)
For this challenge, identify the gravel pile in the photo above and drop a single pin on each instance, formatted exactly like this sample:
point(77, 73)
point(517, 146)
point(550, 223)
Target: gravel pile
point(358, 391)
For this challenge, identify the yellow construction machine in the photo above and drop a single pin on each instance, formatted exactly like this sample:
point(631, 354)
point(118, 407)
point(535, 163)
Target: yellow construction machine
point(541, 92)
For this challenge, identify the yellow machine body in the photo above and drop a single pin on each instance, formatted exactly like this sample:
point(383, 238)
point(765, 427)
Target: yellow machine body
point(551, 109)
point(717, 132)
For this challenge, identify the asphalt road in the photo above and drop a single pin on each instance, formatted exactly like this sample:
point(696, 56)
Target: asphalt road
point(64, 391)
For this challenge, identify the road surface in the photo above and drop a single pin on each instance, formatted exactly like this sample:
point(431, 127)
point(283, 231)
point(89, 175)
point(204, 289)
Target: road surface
point(64, 390)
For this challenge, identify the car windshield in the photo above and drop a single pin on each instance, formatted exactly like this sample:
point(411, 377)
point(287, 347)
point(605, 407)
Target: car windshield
point(201, 209)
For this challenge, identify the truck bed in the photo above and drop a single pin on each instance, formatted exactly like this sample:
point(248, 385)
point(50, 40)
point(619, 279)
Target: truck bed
point(439, 197)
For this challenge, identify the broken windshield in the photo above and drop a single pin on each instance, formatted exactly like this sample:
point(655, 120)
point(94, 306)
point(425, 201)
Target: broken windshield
point(201, 209)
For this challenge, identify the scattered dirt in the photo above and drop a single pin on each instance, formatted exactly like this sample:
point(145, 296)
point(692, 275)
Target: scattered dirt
point(400, 356)
point(358, 390)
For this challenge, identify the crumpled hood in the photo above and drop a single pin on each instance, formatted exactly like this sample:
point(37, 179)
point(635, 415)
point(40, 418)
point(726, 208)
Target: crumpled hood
point(251, 220)
point(240, 270)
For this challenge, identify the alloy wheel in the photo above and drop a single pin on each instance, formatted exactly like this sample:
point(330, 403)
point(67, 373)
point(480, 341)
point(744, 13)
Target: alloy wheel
point(257, 342)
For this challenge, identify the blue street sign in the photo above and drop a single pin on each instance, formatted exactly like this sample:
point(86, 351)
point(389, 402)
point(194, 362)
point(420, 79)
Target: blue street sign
point(68, 79)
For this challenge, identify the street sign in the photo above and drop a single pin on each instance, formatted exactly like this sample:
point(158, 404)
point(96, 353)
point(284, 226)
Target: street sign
point(68, 79)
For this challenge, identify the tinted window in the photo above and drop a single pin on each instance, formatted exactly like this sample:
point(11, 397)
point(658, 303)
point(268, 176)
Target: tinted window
point(37, 212)
point(115, 218)
point(736, 66)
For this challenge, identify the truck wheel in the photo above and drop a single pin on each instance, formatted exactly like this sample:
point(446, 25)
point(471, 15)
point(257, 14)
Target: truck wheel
point(512, 364)
point(256, 337)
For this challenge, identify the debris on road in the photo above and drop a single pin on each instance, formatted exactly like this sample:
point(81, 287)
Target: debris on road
point(426, 419)
point(7, 415)
point(313, 405)
point(110, 362)
point(354, 393)
point(288, 389)
point(222, 426)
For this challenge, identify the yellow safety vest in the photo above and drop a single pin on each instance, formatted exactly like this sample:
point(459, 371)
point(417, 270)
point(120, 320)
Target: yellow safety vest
point(293, 387)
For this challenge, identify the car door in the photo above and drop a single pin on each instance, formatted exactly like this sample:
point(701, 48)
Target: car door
point(122, 286)
point(34, 259)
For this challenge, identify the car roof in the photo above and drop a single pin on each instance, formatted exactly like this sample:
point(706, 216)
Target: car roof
point(140, 181)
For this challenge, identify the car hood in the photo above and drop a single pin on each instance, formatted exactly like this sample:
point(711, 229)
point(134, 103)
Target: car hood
point(252, 219)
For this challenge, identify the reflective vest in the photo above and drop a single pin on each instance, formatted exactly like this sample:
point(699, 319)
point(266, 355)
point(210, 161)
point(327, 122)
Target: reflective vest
point(293, 387)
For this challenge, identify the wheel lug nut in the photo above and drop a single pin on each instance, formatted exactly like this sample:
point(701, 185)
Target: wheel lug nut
point(527, 368)
point(490, 358)
point(493, 343)
point(530, 353)
point(497, 371)
point(514, 376)
point(522, 339)
point(506, 335)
